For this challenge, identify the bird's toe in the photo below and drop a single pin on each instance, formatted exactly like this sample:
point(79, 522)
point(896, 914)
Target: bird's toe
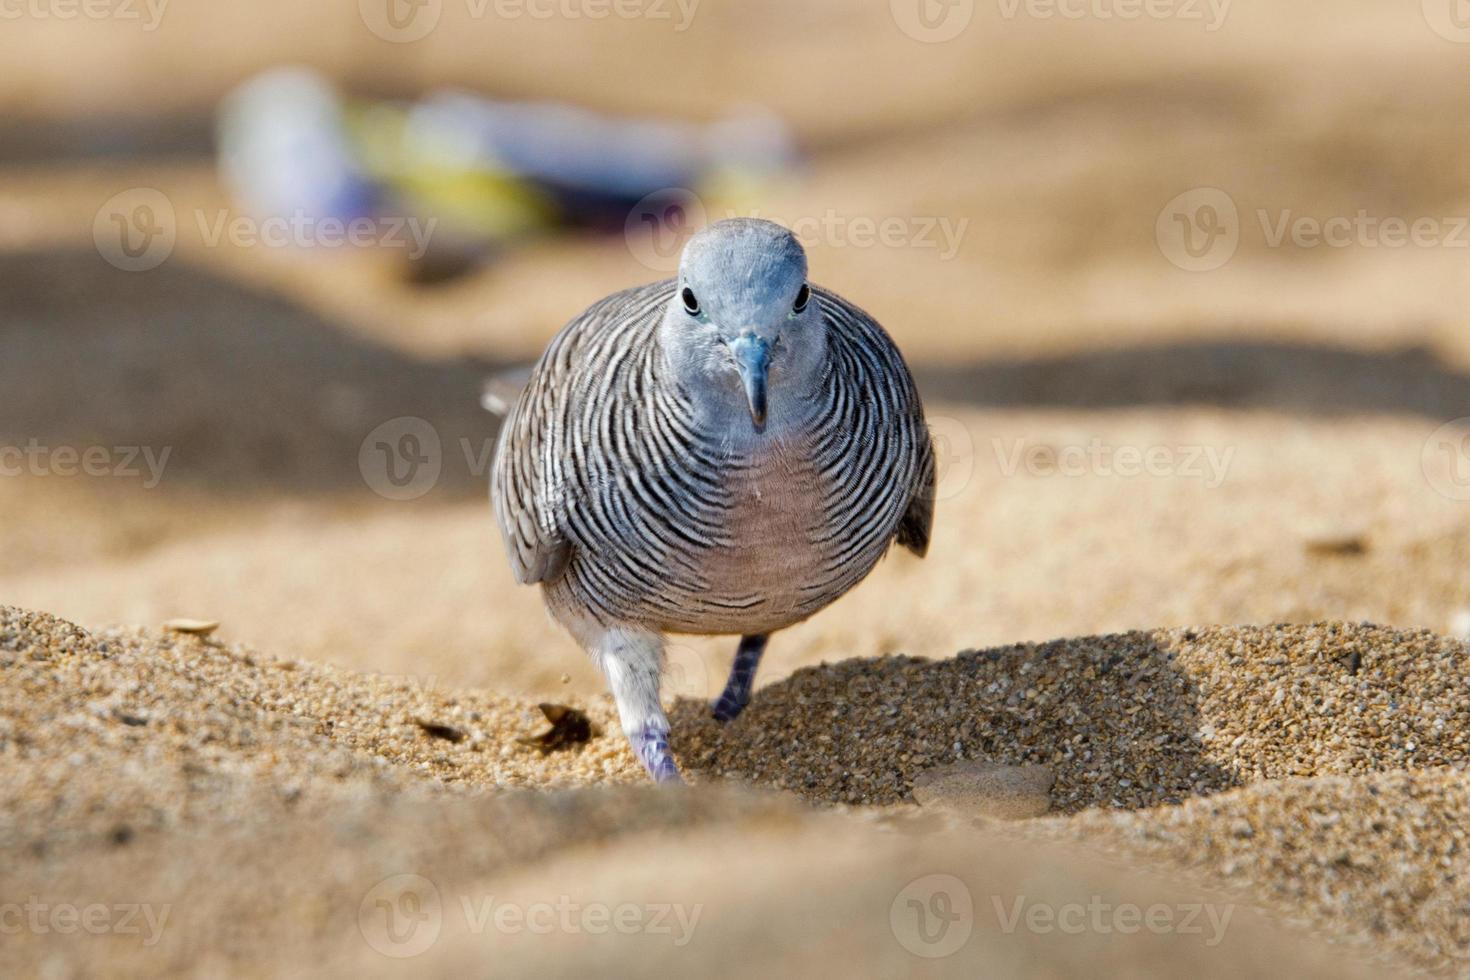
point(728, 707)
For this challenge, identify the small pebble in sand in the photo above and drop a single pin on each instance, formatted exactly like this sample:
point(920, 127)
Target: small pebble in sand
point(569, 726)
point(987, 789)
point(1335, 541)
point(434, 729)
point(193, 627)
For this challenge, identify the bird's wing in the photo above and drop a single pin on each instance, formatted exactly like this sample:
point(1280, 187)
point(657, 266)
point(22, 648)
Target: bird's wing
point(533, 486)
point(520, 484)
point(857, 328)
point(918, 519)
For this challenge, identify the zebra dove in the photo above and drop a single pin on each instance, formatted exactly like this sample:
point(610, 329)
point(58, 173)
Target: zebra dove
point(727, 452)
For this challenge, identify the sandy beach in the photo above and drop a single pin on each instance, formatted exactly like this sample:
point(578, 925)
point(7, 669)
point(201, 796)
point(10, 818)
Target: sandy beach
point(1197, 584)
point(149, 764)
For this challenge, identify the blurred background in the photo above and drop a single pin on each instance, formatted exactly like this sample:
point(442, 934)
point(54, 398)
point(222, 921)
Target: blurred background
point(1184, 282)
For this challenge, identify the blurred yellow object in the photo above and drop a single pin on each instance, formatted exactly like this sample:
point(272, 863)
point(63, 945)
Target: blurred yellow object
point(426, 181)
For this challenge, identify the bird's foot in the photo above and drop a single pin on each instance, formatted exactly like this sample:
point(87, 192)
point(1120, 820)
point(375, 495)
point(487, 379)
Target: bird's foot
point(652, 748)
point(727, 706)
point(742, 678)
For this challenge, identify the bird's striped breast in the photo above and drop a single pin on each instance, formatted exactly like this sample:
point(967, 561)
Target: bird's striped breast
point(660, 520)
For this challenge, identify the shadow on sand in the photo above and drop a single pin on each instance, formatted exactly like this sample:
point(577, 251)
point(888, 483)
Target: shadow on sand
point(1115, 718)
point(252, 393)
point(248, 391)
point(1296, 378)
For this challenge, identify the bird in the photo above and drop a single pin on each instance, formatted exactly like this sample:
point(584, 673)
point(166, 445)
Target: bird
point(725, 452)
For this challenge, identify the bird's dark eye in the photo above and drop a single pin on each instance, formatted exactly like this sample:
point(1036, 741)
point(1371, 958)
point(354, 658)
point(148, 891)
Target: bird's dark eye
point(803, 297)
point(691, 303)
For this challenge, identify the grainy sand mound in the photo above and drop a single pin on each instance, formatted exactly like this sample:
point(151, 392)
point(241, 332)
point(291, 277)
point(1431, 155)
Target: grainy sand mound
point(120, 731)
point(757, 888)
point(1384, 856)
point(267, 802)
point(1131, 720)
point(275, 817)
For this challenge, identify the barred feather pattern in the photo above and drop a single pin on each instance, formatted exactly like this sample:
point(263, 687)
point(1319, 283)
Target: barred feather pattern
point(609, 493)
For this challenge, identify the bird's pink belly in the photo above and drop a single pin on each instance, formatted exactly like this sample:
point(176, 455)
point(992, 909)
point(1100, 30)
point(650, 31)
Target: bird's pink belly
point(764, 581)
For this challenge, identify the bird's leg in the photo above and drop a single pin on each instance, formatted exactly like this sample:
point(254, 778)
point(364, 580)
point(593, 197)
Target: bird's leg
point(633, 662)
point(742, 677)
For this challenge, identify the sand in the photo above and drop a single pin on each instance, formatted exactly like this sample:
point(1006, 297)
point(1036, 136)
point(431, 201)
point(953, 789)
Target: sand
point(358, 715)
point(1125, 721)
point(1380, 859)
point(264, 799)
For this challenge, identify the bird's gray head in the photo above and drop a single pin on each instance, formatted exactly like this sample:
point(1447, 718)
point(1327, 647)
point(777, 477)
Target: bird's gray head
point(744, 326)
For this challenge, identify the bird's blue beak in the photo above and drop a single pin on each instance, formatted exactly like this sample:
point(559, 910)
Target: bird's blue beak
point(752, 360)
